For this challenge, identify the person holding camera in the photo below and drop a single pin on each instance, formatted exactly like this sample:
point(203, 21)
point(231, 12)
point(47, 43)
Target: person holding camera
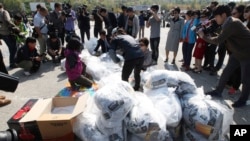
point(237, 38)
point(84, 23)
point(23, 30)
point(28, 58)
point(154, 22)
point(7, 28)
point(55, 48)
point(57, 21)
point(132, 23)
point(70, 20)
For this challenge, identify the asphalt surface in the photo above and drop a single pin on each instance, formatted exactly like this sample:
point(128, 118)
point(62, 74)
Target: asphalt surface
point(51, 79)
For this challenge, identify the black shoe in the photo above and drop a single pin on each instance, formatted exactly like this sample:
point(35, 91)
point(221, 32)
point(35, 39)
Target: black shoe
point(207, 68)
point(173, 62)
point(213, 93)
point(166, 60)
point(238, 104)
point(197, 71)
point(136, 88)
point(213, 73)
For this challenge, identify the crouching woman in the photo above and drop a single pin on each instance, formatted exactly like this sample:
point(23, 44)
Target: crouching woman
point(28, 58)
point(75, 68)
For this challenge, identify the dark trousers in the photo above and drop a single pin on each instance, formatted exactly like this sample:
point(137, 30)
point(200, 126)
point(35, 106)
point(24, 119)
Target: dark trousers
point(154, 44)
point(2, 65)
point(83, 32)
point(232, 65)
point(82, 81)
point(96, 31)
point(128, 67)
point(62, 37)
point(221, 56)
point(235, 79)
point(187, 49)
point(10, 41)
point(210, 55)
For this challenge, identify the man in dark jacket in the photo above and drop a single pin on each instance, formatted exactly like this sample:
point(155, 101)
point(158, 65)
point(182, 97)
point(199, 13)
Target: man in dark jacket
point(132, 54)
point(122, 18)
point(103, 42)
point(109, 20)
point(84, 24)
point(28, 57)
point(237, 39)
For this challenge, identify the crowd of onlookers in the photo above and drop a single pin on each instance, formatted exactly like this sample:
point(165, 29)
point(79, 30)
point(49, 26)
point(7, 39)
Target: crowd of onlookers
point(54, 29)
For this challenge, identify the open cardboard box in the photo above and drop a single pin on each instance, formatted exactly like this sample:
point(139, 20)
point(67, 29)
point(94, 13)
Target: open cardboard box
point(54, 126)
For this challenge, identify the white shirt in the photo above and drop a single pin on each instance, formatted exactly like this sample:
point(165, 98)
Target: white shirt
point(39, 21)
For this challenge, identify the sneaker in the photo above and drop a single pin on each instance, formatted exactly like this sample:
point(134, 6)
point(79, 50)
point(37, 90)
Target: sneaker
point(231, 91)
point(239, 104)
point(213, 93)
point(26, 73)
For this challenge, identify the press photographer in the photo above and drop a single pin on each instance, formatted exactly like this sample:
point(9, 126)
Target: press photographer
point(70, 18)
point(56, 22)
point(237, 38)
point(84, 22)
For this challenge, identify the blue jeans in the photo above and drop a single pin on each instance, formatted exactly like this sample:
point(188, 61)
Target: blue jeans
point(187, 49)
point(10, 41)
point(154, 44)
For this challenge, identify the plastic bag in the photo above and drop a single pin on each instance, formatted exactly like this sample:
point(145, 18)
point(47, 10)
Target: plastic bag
point(167, 102)
point(203, 117)
point(191, 135)
point(116, 133)
point(63, 61)
point(165, 78)
point(91, 44)
point(115, 100)
point(145, 121)
point(114, 77)
point(85, 128)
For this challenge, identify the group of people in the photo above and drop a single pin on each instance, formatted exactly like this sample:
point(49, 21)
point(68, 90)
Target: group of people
point(207, 31)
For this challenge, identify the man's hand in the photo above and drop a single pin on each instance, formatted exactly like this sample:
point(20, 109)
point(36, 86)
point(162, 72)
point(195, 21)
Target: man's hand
point(201, 33)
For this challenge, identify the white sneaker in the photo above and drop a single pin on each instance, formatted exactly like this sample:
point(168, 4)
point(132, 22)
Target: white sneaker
point(26, 73)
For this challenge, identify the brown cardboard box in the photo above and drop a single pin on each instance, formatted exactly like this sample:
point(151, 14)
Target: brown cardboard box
point(56, 126)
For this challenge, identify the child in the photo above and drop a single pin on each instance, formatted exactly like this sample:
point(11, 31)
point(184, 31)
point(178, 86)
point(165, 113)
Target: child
point(143, 42)
point(201, 45)
point(103, 42)
point(75, 68)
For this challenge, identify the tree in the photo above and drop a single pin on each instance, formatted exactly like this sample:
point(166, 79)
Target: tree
point(12, 5)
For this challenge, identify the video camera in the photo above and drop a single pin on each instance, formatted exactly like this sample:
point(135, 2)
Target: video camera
point(147, 15)
point(210, 28)
point(66, 9)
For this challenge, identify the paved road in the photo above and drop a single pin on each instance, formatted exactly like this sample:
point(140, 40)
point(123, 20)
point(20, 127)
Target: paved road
point(50, 80)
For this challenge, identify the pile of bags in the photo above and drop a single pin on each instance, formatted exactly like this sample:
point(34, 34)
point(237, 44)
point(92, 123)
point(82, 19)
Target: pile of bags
point(171, 107)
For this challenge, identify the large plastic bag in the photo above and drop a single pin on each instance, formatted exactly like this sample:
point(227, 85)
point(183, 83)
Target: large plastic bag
point(167, 102)
point(116, 133)
point(203, 117)
point(115, 100)
point(85, 128)
point(145, 121)
point(191, 135)
point(165, 78)
point(91, 44)
point(114, 77)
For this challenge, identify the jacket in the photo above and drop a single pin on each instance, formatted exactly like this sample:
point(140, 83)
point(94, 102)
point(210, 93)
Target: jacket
point(135, 29)
point(24, 53)
point(236, 37)
point(128, 46)
point(104, 47)
point(73, 64)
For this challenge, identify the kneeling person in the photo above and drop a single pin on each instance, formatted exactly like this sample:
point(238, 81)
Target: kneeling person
point(28, 57)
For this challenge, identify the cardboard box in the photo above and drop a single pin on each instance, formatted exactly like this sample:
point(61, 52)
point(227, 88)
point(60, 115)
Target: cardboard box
point(31, 128)
point(54, 126)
